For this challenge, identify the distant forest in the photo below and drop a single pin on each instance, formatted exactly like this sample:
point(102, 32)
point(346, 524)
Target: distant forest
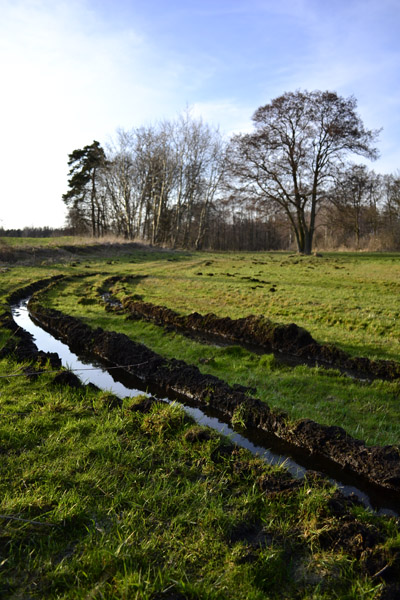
point(36, 232)
point(292, 183)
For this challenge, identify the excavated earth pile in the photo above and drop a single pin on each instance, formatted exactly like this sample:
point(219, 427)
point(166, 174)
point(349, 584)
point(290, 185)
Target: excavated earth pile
point(376, 465)
point(259, 332)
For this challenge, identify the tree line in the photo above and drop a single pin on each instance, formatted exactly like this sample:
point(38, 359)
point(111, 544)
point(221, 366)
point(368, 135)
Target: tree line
point(292, 181)
point(35, 232)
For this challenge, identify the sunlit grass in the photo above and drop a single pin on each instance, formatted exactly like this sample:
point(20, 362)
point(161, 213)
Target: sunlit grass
point(350, 300)
point(366, 411)
point(347, 299)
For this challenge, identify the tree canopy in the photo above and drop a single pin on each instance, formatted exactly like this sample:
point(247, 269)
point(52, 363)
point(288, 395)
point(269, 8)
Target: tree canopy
point(82, 195)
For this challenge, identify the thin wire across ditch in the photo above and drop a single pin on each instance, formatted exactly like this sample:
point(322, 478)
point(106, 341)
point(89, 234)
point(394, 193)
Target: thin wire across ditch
point(55, 371)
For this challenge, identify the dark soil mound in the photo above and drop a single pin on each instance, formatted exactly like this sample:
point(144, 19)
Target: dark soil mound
point(146, 405)
point(67, 378)
point(265, 335)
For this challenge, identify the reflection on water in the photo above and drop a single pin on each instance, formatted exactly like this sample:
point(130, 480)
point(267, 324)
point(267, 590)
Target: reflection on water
point(87, 371)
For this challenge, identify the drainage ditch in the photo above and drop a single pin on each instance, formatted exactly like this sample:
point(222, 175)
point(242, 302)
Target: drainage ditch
point(267, 446)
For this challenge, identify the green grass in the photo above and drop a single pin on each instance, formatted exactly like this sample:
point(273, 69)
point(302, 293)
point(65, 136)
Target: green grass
point(350, 300)
point(30, 242)
point(37, 242)
point(117, 504)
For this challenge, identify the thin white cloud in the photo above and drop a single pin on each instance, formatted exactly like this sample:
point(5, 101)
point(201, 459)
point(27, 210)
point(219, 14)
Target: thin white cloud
point(228, 115)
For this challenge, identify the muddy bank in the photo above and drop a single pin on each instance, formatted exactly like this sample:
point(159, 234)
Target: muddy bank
point(21, 344)
point(376, 465)
point(264, 335)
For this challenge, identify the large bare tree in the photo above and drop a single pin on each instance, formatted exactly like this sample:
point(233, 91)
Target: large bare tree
point(290, 158)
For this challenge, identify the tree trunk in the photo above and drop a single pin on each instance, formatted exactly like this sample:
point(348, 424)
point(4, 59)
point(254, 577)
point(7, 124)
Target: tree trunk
point(308, 242)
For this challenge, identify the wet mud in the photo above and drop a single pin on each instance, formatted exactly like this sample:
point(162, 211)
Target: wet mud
point(256, 332)
point(379, 466)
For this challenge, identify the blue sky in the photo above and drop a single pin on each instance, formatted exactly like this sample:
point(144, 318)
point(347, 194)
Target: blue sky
point(73, 71)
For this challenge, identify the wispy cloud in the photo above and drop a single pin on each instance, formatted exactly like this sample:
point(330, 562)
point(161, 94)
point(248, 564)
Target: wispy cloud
point(230, 116)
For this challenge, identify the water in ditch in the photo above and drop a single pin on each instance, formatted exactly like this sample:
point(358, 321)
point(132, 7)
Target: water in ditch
point(113, 380)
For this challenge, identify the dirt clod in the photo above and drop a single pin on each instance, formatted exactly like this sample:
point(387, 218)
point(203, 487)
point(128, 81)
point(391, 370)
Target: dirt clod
point(198, 434)
point(67, 378)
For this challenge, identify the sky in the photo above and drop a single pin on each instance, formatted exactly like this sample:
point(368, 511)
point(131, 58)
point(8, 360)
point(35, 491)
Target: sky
point(74, 71)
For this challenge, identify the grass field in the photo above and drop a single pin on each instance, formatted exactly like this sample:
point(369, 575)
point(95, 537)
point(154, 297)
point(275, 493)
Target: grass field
point(100, 503)
point(351, 300)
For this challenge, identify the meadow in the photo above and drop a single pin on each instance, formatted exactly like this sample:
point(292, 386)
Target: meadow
point(112, 502)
